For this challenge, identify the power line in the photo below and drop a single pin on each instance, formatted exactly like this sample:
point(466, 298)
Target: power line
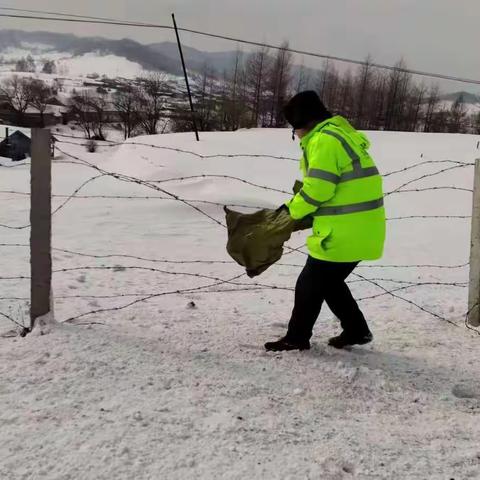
point(62, 14)
point(102, 21)
point(91, 20)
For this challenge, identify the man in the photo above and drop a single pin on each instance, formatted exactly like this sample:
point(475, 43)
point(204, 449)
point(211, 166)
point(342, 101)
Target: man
point(342, 190)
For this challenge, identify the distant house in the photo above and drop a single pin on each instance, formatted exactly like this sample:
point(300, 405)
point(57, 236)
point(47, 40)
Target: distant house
point(53, 114)
point(16, 146)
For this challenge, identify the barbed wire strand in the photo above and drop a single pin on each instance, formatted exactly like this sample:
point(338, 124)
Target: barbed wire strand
point(426, 189)
point(11, 319)
point(75, 195)
point(61, 206)
point(149, 297)
point(111, 143)
point(458, 164)
point(423, 163)
point(122, 268)
point(428, 175)
point(418, 217)
point(156, 260)
point(423, 309)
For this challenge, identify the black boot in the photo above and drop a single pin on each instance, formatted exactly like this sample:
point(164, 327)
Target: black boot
point(348, 339)
point(284, 344)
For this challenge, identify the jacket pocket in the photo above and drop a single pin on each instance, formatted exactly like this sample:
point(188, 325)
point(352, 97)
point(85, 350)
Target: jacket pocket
point(320, 240)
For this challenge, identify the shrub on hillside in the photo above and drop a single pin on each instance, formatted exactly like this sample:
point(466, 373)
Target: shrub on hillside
point(92, 146)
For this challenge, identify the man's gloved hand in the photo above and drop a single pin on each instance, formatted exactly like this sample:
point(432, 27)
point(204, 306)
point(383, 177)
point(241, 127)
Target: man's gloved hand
point(304, 223)
point(297, 186)
point(281, 208)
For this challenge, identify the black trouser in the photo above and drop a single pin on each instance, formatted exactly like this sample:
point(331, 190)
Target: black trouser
point(324, 281)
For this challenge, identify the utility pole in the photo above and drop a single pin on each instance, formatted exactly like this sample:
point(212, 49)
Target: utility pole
point(186, 78)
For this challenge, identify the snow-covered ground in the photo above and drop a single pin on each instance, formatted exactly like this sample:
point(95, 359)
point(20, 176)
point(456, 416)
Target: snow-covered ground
point(167, 388)
point(79, 65)
point(110, 65)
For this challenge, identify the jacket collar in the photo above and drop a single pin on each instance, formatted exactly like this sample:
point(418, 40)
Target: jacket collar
point(319, 126)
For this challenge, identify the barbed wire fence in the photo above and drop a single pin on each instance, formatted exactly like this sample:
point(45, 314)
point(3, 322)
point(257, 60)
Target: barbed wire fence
point(381, 286)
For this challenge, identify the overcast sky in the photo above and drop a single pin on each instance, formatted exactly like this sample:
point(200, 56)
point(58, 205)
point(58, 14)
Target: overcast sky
point(435, 35)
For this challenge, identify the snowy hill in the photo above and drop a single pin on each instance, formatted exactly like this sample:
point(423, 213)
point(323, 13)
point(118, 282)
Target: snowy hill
point(167, 388)
point(197, 59)
point(56, 46)
point(125, 58)
point(72, 66)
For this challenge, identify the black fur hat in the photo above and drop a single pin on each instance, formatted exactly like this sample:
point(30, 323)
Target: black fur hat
point(305, 108)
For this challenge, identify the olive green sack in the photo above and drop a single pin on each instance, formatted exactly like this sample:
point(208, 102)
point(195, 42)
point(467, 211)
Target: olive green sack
point(255, 240)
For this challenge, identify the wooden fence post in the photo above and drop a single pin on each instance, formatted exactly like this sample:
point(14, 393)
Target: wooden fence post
point(41, 227)
point(474, 286)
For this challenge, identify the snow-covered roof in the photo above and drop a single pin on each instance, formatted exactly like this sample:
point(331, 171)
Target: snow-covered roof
point(51, 109)
point(12, 129)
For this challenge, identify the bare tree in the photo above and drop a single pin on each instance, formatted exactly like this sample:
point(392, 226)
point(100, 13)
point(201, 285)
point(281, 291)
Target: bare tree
point(18, 95)
point(399, 82)
point(327, 85)
point(375, 107)
point(458, 116)
point(90, 112)
point(432, 104)
point(414, 109)
point(224, 102)
point(58, 85)
point(332, 89)
point(21, 65)
point(440, 120)
point(280, 78)
point(476, 123)
point(235, 89)
point(346, 96)
point(234, 96)
point(210, 99)
point(49, 67)
point(127, 105)
point(80, 106)
point(256, 70)
point(363, 91)
point(40, 95)
point(323, 79)
point(243, 96)
point(152, 94)
point(302, 78)
point(99, 104)
point(25, 65)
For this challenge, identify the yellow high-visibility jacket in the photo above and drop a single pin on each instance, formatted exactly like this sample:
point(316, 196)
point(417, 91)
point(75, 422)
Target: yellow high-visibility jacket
point(342, 190)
